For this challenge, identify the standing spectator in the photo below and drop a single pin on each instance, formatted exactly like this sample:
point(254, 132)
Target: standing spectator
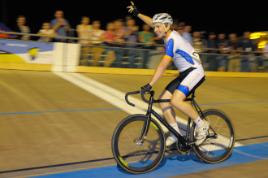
point(178, 26)
point(84, 31)
point(234, 57)
point(265, 55)
point(222, 57)
point(211, 50)
point(260, 58)
point(265, 50)
point(147, 38)
point(221, 41)
point(198, 43)
point(61, 26)
point(234, 60)
point(157, 54)
point(247, 47)
point(119, 42)
point(186, 34)
point(131, 39)
point(46, 32)
point(233, 41)
point(96, 40)
point(109, 42)
point(21, 27)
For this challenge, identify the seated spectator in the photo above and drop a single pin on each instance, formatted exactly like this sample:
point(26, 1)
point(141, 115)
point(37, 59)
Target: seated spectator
point(47, 33)
point(22, 28)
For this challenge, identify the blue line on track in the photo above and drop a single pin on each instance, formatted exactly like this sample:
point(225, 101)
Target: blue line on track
point(58, 111)
point(234, 103)
point(173, 166)
point(113, 109)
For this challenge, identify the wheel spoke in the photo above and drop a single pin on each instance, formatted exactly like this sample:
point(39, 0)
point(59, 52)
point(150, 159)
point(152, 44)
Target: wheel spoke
point(135, 154)
point(220, 140)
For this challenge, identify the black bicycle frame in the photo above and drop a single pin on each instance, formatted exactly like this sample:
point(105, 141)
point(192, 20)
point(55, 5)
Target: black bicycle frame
point(181, 140)
point(195, 105)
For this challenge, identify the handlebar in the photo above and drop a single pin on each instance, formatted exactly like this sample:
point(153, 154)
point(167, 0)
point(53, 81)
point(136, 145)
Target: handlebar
point(130, 93)
point(143, 97)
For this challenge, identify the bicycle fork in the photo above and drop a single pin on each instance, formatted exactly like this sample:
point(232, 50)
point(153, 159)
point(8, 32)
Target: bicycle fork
point(147, 122)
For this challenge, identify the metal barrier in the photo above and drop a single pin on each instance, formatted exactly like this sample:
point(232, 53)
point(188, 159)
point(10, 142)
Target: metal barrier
point(138, 55)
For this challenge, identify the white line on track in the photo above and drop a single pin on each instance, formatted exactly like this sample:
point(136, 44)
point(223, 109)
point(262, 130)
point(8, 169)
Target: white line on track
point(113, 96)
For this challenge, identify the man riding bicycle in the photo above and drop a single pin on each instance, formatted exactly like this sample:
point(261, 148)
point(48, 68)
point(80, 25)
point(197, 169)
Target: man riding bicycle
point(191, 74)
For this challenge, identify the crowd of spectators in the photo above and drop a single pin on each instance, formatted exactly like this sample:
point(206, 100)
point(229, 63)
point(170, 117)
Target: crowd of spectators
point(122, 44)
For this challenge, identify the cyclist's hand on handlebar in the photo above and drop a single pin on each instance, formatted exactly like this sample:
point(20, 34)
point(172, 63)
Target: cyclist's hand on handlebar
point(133, 9)
point(146, 88)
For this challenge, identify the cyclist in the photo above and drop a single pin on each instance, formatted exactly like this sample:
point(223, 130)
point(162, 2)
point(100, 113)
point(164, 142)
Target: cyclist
point(191, 73)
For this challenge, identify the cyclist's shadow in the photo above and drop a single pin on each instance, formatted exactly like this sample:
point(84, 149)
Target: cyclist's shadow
point(173, 155)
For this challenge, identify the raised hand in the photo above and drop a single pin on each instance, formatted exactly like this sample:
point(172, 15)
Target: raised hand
point(133, 9)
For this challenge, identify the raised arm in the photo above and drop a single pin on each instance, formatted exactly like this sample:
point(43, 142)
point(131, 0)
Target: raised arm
point(134, 10)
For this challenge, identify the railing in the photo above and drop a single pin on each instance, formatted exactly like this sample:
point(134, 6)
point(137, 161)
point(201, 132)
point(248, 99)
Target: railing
point(139, 55)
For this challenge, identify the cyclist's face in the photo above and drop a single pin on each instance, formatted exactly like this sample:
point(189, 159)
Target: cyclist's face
point(160, 30)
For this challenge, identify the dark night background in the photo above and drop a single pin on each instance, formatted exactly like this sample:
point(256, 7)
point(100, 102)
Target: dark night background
point(217, 15)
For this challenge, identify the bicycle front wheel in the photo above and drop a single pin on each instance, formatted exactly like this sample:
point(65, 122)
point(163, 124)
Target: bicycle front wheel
point(133, 153)
point(220, 140)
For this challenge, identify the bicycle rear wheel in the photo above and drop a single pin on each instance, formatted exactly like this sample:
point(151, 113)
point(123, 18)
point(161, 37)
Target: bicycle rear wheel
point(135, 155)
point(220, 140)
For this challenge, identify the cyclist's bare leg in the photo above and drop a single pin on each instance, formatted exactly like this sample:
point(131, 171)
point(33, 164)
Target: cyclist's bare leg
point(201, 131)
point(178, 101)
point(170, 116)
point(167, 108)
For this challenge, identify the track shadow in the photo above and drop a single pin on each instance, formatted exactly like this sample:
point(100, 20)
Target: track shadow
point(171, 154)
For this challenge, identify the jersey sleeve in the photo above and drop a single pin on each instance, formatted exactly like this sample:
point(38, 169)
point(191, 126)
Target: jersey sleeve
point(169, 48)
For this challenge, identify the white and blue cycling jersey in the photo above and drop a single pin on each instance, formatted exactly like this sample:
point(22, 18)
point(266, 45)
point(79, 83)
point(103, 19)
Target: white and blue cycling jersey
point(184, 57)
point(182, 52)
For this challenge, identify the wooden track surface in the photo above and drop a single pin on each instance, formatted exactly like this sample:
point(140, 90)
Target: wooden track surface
point(45, 120)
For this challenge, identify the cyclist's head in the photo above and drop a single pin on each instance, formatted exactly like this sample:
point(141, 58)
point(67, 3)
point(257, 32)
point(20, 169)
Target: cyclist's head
point(164, 18)
point(162, 23)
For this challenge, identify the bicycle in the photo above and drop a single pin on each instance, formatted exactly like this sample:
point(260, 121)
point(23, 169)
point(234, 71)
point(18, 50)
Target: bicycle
point(138, 142)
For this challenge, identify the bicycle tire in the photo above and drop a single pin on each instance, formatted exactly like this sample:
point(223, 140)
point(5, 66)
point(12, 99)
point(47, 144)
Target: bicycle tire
point(215, 152)
point(118, 147)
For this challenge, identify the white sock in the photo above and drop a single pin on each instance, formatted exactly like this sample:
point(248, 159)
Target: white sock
point(175, 127)
point(198, 121)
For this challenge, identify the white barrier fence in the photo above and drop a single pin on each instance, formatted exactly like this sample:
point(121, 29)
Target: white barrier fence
point(62, 56)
